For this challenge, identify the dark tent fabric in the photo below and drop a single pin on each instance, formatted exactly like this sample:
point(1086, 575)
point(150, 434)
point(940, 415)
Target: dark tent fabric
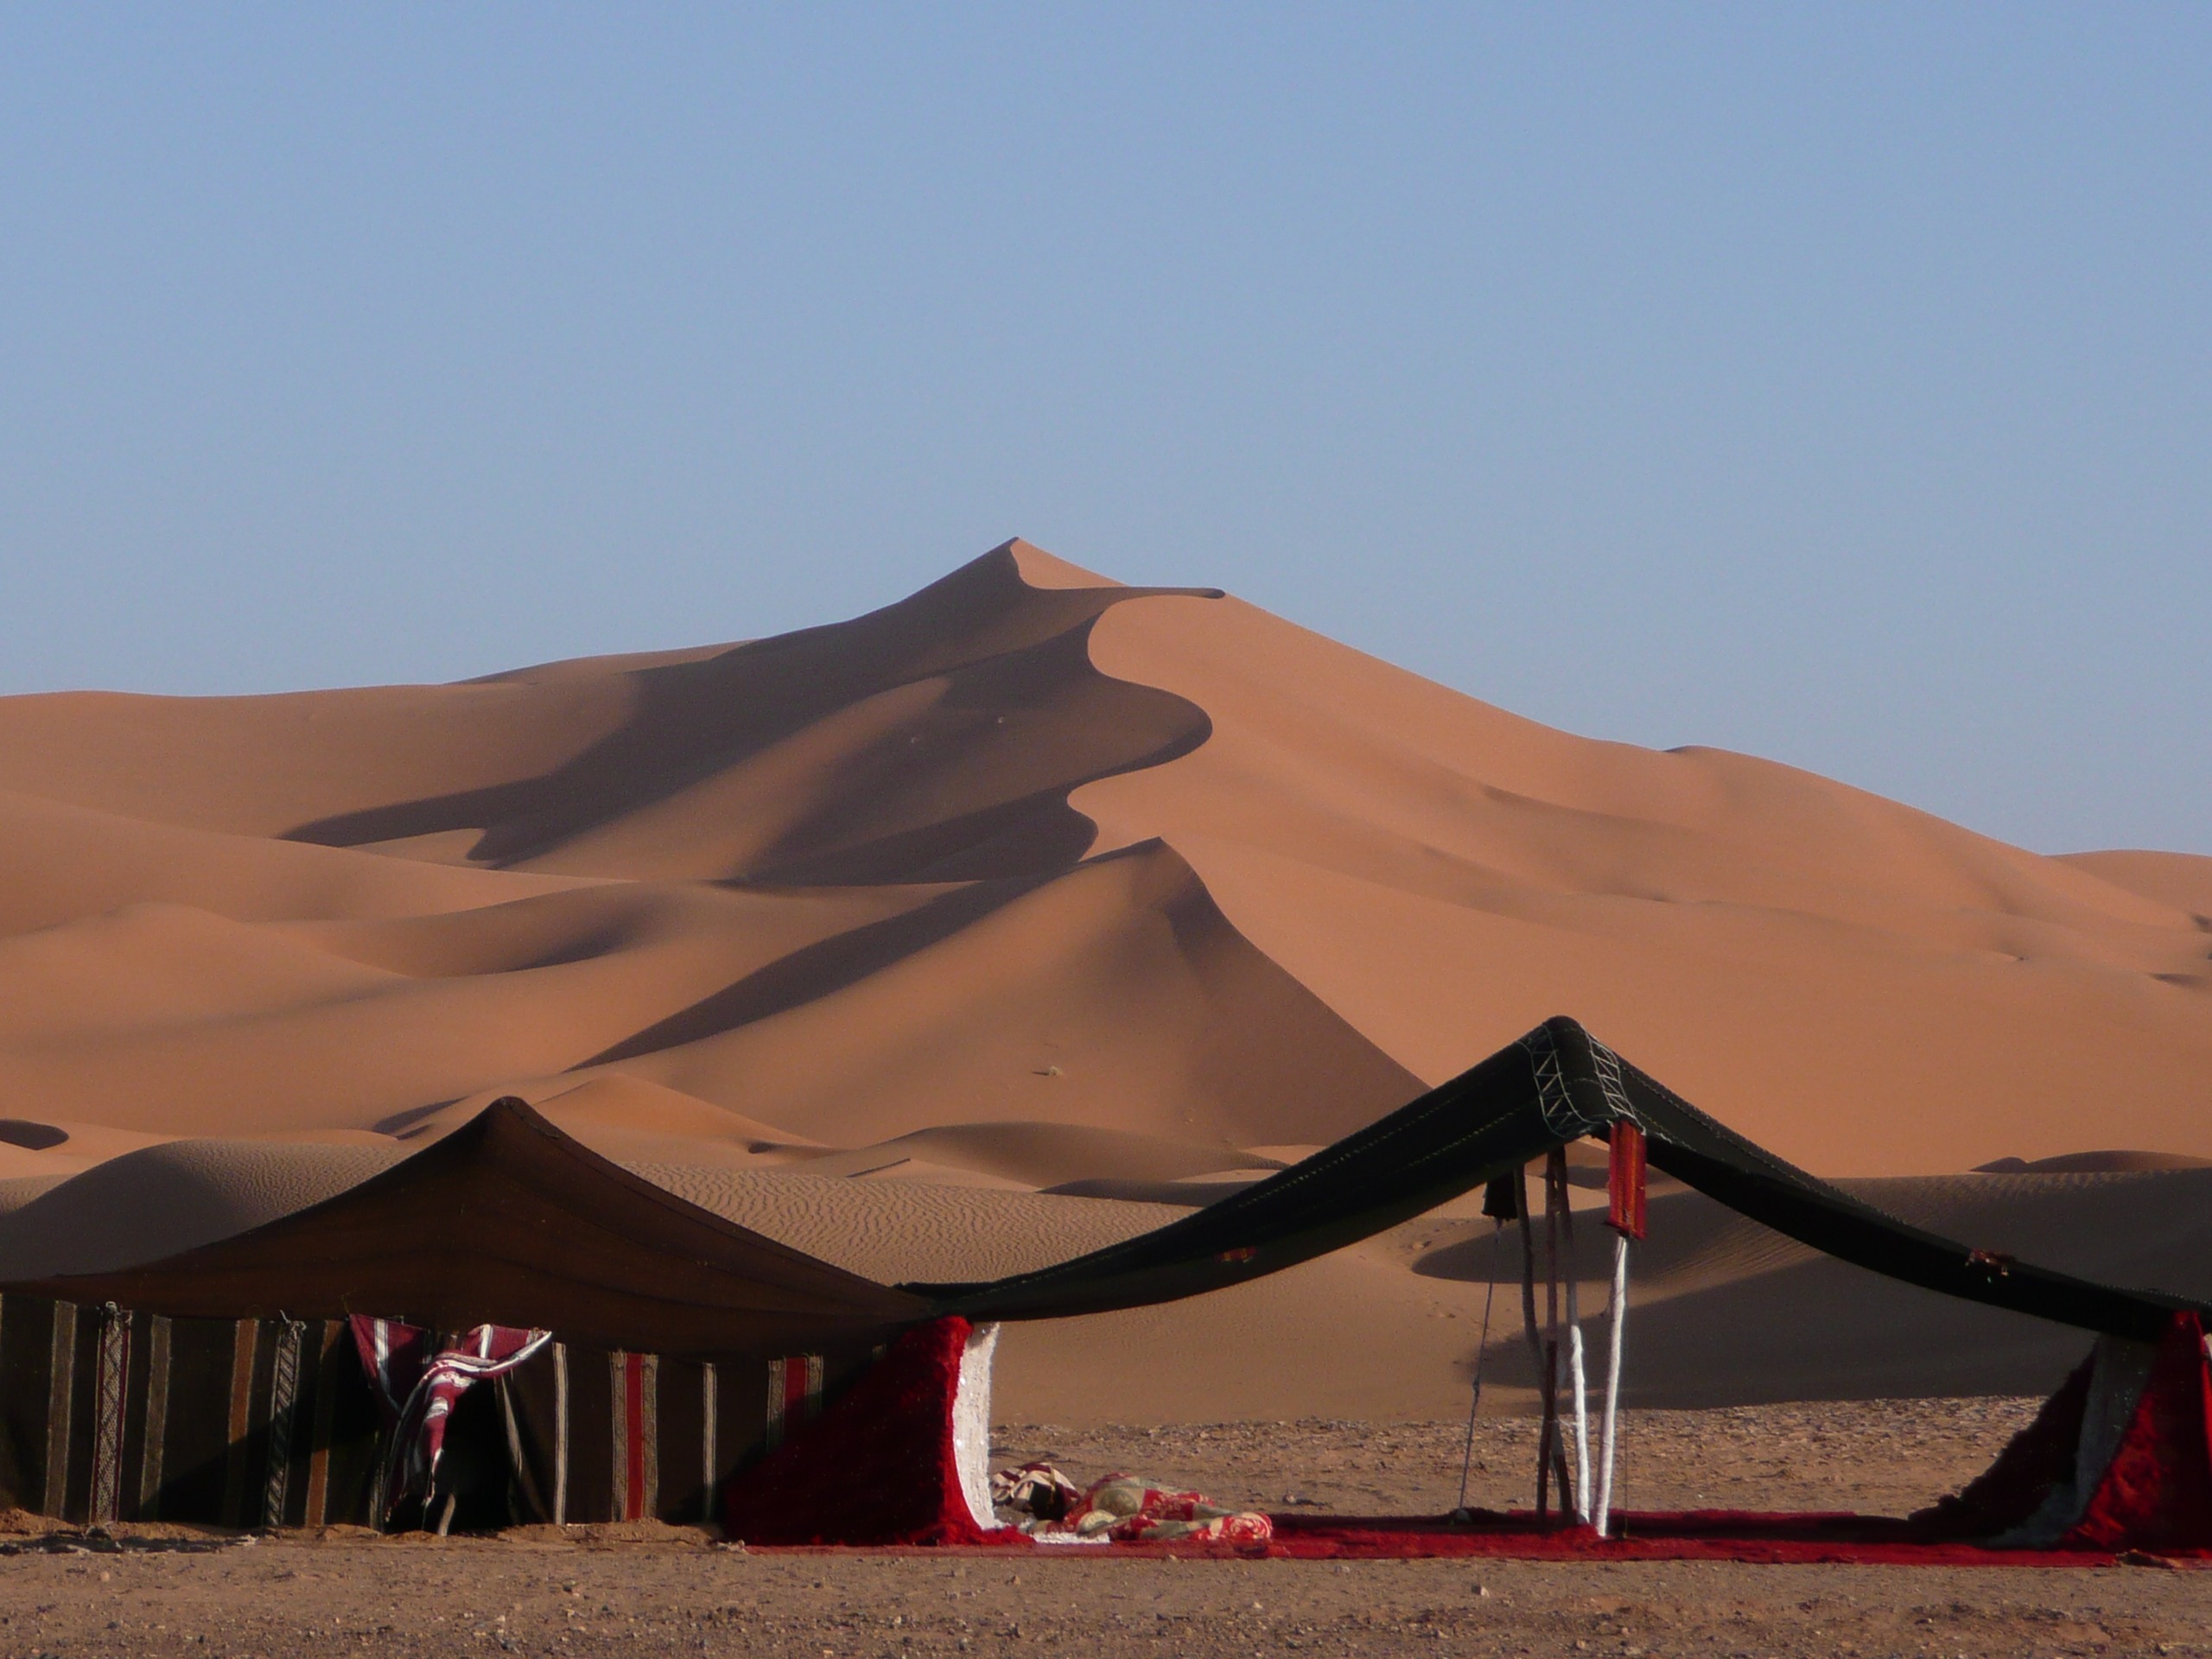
point(688, 1345)
point(509, 1220)
point(1556, 1085)
point(586, 1435)
point(113, 1415)
point(108, 1415)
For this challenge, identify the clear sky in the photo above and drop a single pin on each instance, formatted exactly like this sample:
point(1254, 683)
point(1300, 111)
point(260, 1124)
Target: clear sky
point(1833, 383)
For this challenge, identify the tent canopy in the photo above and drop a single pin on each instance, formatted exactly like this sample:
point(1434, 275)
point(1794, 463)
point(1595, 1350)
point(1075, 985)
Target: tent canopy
point(1556, 1085)
point(508, 1221)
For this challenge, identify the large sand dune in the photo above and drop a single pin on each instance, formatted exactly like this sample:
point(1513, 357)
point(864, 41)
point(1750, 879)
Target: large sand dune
point(1032, 880)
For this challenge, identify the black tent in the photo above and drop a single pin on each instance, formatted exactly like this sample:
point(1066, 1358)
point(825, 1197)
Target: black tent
point(1556, 1085)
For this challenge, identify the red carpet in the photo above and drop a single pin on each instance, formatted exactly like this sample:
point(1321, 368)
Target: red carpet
point(1692, 1535)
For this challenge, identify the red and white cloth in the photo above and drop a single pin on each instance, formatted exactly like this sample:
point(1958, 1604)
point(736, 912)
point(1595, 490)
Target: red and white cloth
point(1120, 1509)
point(418, 1387)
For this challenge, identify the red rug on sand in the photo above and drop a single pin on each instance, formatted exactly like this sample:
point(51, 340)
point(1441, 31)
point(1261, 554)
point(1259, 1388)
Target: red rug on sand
point(1694, 1535)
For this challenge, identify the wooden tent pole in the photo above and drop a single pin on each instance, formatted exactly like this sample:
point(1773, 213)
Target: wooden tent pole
point(1481, 1350)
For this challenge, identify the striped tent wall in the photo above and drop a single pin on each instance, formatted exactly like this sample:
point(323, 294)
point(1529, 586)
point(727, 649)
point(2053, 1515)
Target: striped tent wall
point(615, 1435)
point(108, 1416)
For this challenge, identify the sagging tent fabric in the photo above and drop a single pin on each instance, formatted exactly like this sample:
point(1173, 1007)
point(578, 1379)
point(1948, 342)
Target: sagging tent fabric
point(2119, 1457)
point(506, 1220)
point(688, 1347)
point(903, 1456)
point(1558, 1085)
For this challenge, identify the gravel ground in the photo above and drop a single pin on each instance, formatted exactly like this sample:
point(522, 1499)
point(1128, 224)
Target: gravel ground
point(647, 1590)
point(1885, 1456)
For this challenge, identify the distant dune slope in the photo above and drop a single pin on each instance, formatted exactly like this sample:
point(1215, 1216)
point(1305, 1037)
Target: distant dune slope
point(1865, 987)
point(829, 882)
point(2181, 880)
point(934, 739)
point(1027, 879)
point(1033, 844)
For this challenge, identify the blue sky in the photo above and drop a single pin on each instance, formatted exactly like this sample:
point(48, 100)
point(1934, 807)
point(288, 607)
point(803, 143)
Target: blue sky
point(1833, 383)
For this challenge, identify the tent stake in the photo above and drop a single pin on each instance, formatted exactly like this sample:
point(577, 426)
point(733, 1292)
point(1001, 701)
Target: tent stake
point(1618, 1320)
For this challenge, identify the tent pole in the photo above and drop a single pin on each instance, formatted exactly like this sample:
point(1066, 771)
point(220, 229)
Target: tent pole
point(1535, 1341)
point(1618, 1319)
point(1577, 1371)
point(1482, 1349)
point(1554, 1202)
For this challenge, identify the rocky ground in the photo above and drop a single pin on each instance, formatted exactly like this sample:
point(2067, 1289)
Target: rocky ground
point(1885, 1456)
point(653, 1590)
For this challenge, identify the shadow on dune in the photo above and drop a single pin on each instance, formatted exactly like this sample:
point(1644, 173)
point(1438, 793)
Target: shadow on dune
point(1122, 965)
point(815, 970)
point(980, 677)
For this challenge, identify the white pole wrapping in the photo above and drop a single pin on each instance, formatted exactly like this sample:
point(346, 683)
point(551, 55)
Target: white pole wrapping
point(1618, 1322)
point(1578, 1371)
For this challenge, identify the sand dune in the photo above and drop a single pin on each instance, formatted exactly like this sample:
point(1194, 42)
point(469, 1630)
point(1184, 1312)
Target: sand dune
point(154, 1203)
point(1865, 987)
point(2104, 1161)
point(67, 861)
point(2181, 880)
point(934, 739)
point(1031, 881)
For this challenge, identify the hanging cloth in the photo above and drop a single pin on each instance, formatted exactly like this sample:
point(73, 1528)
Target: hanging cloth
point(417, 1388)
point(1625, 1183)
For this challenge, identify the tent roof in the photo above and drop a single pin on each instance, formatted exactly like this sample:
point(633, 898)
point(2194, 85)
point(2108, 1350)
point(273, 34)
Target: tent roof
point(508, 1219)
point(1556, 1085)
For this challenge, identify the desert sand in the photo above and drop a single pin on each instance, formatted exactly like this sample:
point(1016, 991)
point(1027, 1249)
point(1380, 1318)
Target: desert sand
point(649, 1589)
point(1030, 910)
